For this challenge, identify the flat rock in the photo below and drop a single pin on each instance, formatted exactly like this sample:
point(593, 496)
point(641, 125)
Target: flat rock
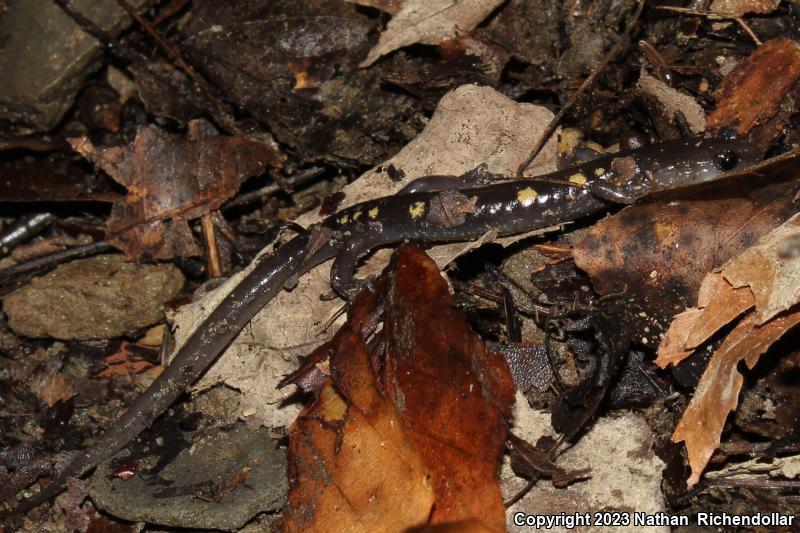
point(45, 57)
point(213, 460)
point(97, 298)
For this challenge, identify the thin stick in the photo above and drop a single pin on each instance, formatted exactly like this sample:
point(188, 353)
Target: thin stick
point(210, 244)
point(588, 82)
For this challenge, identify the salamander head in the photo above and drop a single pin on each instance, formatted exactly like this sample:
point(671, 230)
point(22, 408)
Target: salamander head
point(683, 162)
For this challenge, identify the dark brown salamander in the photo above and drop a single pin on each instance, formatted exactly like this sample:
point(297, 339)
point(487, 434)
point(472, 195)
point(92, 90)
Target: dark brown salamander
point(427, 211)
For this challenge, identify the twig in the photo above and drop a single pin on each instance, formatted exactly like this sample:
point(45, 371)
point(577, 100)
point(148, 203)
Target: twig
point(758, 483)
point(210, 244)
point(714, 16)
point(59, 257)
point(587, 83)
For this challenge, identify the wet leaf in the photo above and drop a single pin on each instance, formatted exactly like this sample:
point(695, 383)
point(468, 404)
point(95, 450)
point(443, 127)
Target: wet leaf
point(662, 250)
point(429, 22)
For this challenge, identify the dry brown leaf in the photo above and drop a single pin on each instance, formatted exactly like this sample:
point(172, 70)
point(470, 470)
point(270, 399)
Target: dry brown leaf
point(429, 22)
point(717, 392)
point(421, 418)
point(771, 270)
point(351, 464)
point(56, 388)
point(717, 304)
point(454, 394)
point(772, 72)
point(766, 275)
point(172, 179)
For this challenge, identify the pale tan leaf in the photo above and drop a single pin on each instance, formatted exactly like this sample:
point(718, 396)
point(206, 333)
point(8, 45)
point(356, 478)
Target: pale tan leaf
point(771, 269)
point(717, 392)
point(56, 388)
point(673, 348)
point(718, 303)
point(429, 22)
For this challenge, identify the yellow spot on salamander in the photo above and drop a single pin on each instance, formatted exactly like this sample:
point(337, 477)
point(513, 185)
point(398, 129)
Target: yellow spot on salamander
point(526, 196)
point(344, 219)
point(417, 209)
point(356, 215)
point(599, 171)
point(579, 178)
point(373, 213)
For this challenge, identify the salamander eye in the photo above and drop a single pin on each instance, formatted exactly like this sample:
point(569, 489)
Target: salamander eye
point(726, 160)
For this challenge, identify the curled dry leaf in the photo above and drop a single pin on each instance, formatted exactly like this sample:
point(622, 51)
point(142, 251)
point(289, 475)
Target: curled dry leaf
point(771, 270)
point(56, 388)
point(172, 179)
point(717, 393)
point(717, 305)
point(429, 22)
point(759, 276)
point(765, 277)
point(409, 433)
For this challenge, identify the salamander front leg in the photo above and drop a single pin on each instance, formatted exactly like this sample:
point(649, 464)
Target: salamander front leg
point(343, 270)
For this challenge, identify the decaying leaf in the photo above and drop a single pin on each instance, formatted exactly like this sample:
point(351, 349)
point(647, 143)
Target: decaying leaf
point(56, 388)
point(765, 277)
point(408, 434)
point(772, 72)
point(172, 179)
point(717, 305)
point(429, 22)
point(717, 393)
point(662, 250)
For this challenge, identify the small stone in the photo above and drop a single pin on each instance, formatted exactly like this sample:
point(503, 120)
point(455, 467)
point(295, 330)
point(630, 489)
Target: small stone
point(97, 298)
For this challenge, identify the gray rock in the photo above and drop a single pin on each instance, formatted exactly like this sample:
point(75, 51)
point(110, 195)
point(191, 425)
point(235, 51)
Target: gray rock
point(212, 460)
point(97, 298)
point(45, 57)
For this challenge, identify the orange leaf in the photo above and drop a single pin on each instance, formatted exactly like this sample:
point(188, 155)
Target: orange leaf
point(718, 389)
point(56, 388)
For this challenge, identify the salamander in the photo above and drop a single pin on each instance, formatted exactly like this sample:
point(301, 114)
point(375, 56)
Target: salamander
point(427, 211)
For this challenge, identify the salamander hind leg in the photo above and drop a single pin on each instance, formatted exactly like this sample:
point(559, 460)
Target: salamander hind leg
point(343, 278)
